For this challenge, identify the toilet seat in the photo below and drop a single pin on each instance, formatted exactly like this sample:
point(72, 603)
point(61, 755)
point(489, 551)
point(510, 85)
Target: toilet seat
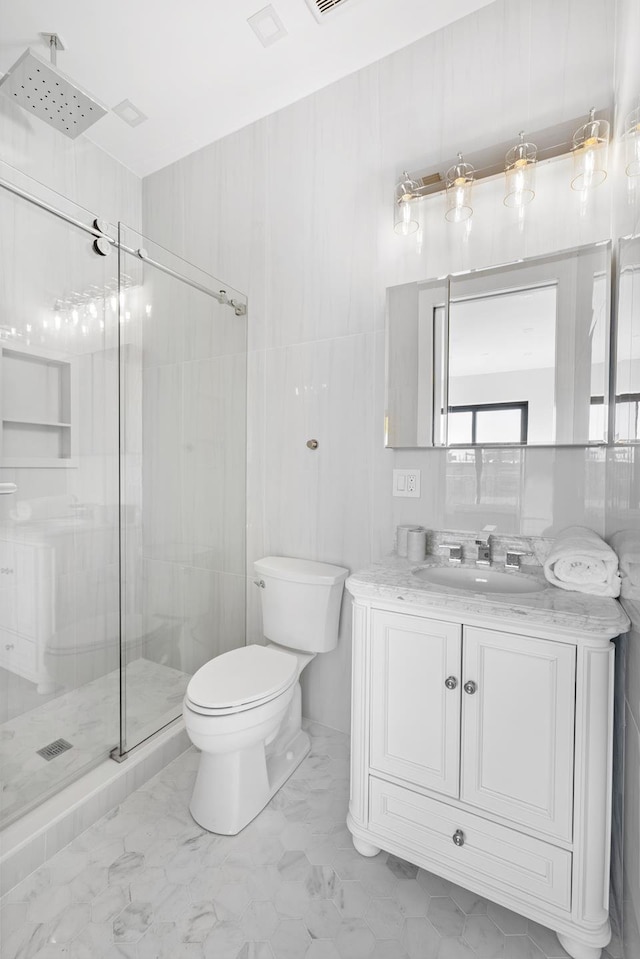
point(241, 679)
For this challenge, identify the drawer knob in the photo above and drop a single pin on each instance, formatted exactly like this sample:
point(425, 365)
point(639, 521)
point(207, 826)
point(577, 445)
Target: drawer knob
point(9, 646)
point(458, 838)
point(470, 687)
point(451, 682)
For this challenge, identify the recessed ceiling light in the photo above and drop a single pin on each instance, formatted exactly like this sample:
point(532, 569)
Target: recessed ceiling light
point(267, 26)
point(128, 112)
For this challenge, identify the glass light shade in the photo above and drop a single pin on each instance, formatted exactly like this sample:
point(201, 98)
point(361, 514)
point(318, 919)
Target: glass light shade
point(406, 192)
point(590, 154)
point(632, 143)
point(520, 173)
point(459, 181)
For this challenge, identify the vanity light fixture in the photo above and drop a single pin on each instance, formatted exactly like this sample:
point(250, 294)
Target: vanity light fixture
point(459, 181)
point(517, 163)
point(407, 191)
point(632, 143)
point(520, 173)
point(590, 148)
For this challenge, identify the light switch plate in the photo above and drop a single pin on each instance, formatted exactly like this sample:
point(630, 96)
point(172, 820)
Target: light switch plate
point(406, 483)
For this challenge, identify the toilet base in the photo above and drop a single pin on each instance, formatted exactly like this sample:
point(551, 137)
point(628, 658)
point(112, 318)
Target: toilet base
point(251, 777)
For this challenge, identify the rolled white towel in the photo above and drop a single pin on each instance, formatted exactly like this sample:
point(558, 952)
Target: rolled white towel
point(582, 562)
point(626, 543)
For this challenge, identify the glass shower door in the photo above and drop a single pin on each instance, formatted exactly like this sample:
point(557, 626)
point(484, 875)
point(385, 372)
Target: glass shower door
point(183, 373)
point(59, 518)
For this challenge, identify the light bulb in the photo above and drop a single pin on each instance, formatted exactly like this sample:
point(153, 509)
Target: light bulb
point(590, 154)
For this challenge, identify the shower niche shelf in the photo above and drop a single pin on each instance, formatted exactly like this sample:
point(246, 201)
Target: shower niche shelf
point(37, 408)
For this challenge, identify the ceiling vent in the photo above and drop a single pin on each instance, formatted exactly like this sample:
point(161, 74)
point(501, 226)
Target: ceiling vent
point(320, 8)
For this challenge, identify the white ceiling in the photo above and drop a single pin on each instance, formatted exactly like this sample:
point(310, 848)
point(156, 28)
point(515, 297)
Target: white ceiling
point(500, 334)
point(197, 69)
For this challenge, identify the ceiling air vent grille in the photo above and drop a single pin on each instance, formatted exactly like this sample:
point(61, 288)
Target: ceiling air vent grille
point(320, 8)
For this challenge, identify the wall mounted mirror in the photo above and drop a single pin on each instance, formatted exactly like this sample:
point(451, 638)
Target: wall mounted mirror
point(627, 412)
point(516, 355)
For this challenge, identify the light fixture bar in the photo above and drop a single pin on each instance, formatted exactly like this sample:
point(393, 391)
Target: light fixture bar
point(552, 142)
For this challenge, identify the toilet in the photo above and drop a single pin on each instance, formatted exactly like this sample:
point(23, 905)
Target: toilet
point(242, 710)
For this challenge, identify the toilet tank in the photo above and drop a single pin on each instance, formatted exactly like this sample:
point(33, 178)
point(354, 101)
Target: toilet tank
point(300, 602)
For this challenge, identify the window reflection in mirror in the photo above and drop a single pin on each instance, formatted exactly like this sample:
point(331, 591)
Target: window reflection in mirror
point(512, 355)
point(627, 419)
point(502, 357)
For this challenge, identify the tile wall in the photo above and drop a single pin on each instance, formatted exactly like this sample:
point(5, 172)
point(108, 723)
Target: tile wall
point(302, 214)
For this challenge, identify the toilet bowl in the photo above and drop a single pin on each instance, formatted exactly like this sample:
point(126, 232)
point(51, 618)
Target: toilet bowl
point(242, 710)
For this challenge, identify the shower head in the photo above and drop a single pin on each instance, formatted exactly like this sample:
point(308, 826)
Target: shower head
point(46, 92)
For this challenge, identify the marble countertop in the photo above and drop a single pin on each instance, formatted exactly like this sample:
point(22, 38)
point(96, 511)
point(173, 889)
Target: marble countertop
point(391, 579)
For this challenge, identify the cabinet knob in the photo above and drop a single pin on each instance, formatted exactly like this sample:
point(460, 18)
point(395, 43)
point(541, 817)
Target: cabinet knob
point(451, 682)
point(9, 646)
point(470, 687)
point(458, 837)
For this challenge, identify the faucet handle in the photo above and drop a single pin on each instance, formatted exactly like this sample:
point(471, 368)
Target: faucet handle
point(455, 551)
point(483, 537)
point(512, 559)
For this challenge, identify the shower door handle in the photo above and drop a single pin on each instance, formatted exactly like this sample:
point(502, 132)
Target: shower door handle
point(6, 489)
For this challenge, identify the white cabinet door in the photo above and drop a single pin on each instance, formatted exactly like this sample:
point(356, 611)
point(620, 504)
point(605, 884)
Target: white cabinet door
point(517, 729)
point(415, 717)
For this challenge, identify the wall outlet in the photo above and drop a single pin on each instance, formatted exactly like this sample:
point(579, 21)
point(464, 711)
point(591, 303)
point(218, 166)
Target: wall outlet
point(406, 483)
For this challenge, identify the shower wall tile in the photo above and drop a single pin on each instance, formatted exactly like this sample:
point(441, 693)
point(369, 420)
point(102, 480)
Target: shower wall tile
point(162, 474)
point(191, 614)
point(213, 450)
point(322, 193)
point(218, 221)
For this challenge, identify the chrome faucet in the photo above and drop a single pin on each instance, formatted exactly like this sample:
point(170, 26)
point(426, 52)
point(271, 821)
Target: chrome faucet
point(483, 542)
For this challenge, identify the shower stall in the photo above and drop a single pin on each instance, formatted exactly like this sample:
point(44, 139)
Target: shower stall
point(122, 487)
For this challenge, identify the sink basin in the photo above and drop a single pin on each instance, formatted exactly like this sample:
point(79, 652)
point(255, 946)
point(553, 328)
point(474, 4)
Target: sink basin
point(477, 580)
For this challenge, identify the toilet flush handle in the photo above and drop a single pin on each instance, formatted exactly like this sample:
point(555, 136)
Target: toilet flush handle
point(259, 582)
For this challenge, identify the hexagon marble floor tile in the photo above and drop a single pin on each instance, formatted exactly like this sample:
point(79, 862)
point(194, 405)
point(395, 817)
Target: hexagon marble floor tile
point(146, 882)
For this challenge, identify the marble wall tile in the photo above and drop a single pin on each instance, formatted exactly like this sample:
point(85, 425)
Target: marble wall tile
point(324, 148)
point(256, 434)
point(516, 75)
point(162, 475)
point(213, 452)
point(218, 223)
point(317, 501)
point(191, 614)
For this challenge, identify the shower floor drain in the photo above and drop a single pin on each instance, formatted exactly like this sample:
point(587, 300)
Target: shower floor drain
point(54, 749)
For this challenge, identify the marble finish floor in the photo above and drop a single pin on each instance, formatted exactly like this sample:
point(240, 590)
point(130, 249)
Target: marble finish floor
point(146, 882)
point(87, 717)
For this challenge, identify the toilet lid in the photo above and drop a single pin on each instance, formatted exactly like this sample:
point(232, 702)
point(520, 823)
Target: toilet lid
point(242, 676)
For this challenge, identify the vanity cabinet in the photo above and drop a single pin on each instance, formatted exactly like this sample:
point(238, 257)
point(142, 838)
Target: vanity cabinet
point(481, 715)
point(481, 751)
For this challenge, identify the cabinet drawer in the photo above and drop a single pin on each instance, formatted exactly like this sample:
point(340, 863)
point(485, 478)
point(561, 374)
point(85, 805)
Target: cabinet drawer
point(17, 654)
point(492, 853)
